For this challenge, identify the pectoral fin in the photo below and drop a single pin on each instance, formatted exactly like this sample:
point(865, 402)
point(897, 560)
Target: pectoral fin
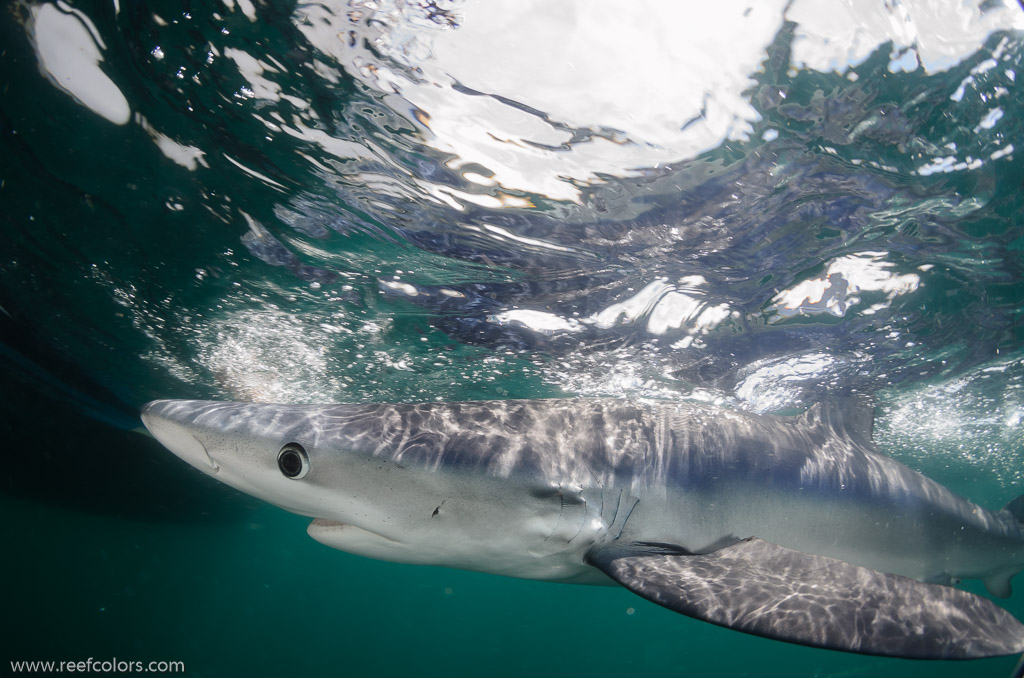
point(768, 590)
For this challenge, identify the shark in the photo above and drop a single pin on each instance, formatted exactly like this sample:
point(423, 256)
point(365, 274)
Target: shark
point(789, 527)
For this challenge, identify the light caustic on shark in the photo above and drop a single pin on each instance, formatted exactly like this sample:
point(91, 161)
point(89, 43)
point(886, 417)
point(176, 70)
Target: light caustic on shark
point(792, 528)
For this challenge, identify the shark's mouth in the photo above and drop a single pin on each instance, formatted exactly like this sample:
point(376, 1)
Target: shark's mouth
point(351, 538)
point(324, 523)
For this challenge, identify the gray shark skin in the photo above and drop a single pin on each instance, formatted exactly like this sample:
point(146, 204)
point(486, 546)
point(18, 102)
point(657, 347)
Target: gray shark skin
point(792, 528)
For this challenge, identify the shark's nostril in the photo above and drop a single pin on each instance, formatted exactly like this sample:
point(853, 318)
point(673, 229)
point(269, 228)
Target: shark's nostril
point(178, 439)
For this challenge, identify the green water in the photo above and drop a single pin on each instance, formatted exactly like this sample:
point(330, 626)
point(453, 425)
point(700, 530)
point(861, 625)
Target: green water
point(262, 273)
point(258, 597)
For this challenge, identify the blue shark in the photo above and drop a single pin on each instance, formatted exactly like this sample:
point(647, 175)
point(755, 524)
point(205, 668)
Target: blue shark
point(793, 528)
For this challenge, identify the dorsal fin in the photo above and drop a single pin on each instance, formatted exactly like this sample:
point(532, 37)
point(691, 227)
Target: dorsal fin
point(853, 415)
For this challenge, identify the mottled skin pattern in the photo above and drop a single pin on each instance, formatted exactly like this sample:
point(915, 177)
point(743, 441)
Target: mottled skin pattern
point(545, 489)
point(759, 588)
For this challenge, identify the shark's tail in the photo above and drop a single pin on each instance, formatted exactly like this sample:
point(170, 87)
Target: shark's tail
point(998, 584)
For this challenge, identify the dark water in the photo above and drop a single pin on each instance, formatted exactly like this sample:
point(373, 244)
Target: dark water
point(415, 201)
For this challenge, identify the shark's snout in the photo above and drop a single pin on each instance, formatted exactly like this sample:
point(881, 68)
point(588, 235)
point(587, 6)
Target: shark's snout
point(175, 435)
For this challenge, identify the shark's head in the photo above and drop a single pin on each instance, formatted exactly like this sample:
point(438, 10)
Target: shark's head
point(379, 481)
point(307, 459)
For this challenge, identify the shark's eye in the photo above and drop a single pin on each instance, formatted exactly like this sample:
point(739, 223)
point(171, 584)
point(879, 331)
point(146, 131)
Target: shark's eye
point(292, 461)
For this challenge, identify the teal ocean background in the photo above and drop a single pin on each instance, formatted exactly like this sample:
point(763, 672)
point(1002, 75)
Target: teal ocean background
point(355, 202)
